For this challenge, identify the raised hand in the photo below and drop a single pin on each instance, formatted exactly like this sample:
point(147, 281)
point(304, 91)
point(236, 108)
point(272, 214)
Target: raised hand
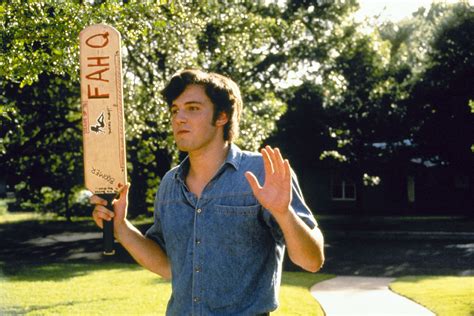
point(275, 195)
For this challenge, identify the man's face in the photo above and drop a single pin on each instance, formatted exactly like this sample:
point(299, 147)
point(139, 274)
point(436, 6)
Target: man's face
point(191, 117)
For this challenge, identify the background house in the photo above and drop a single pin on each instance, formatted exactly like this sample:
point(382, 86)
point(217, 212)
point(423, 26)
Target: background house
point(417, 190)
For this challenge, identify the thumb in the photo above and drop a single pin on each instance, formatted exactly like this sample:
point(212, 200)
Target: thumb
point(124, 190)
point(253, 181)
point(123, 193)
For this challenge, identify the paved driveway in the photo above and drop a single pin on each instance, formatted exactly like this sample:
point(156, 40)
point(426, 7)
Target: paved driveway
point(364, 296)
point(389, 255)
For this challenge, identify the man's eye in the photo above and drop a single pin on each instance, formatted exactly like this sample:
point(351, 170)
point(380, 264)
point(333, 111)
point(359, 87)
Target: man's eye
point(174, 111)
point(193, 108)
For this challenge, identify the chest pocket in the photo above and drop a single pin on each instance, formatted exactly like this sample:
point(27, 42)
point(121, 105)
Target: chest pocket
point(240, 226)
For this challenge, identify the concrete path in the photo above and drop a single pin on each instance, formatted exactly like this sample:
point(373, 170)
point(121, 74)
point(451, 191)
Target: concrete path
point(367, 296)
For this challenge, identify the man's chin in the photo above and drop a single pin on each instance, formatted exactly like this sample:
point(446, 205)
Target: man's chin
point(183, 147)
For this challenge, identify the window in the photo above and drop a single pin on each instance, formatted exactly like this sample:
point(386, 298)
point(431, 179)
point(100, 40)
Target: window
point(343, 190)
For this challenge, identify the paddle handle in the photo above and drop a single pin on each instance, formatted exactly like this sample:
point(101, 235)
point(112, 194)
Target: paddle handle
point(108, 229)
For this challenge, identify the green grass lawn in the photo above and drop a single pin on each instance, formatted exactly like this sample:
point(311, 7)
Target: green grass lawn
point(117, 289)
point(18, 217)
point(444, 295)
point(295, 298)
point(93, 289)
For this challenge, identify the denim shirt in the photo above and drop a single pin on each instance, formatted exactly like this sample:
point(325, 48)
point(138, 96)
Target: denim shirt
point(225, 249)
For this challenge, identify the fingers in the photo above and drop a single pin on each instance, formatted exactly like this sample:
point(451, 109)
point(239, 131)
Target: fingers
point(287, 168)
point(279, 161)
point(267, 161)
point(253, 182)
point(96, 200)
point(100, 214)
point(102, 211)
point(273, 161)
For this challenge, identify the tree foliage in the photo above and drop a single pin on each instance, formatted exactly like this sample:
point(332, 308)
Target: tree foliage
point(256, 44)
point(365, 98)
point(440, 99)
point(41, 143)
point(386, 95)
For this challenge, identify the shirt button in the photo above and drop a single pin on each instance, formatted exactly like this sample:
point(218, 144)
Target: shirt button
point(196, 299)
point(197, 269)
point(199, 211)
point(198, 241)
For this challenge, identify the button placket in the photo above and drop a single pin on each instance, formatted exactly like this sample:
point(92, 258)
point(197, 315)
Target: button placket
point(197, 257)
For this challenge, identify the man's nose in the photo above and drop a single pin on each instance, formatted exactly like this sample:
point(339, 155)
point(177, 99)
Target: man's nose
point(180, 117)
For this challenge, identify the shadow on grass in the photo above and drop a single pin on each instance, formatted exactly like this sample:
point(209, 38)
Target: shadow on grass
point(56, 240)
point(304, 280)
point(59, 271)
point(38, 309)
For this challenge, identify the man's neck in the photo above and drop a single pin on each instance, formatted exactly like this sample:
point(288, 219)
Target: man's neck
point(205, 163)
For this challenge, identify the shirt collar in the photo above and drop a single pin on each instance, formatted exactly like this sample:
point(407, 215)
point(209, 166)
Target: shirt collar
point(182, 170)
point(233, 158)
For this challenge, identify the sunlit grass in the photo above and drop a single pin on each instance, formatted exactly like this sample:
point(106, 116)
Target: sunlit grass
point(84, 289)
point(295, 297)
point(10, 218)
point(116, 289)
point(7, 217)
point(444, 295)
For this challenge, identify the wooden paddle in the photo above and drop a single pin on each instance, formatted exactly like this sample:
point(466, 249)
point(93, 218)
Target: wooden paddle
point(105, 167)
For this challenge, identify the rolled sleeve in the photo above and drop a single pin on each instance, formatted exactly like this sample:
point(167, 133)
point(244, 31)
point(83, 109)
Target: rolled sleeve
point(155, 232)
point(299, 205)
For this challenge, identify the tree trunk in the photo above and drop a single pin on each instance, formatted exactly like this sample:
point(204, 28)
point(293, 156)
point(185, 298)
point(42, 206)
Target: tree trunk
point(67, 206)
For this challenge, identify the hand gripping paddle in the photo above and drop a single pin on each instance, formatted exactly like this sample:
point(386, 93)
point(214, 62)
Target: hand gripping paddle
point(105, 167)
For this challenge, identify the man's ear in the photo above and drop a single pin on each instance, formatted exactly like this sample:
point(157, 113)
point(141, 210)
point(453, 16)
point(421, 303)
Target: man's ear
point(222, 119)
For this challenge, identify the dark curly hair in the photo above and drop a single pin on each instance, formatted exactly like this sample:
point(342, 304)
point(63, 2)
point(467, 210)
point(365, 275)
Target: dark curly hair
point(221, 90)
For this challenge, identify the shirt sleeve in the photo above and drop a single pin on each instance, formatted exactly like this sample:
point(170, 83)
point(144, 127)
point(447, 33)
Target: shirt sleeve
point(299, 206)
point(155, 232)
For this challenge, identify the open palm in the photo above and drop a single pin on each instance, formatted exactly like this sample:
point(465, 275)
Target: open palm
point(275, 195)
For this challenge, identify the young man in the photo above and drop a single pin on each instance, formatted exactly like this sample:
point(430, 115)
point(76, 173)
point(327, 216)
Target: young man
point(218, 234)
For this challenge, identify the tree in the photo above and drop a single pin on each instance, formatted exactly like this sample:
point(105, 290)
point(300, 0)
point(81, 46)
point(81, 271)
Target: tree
point(41, 142)
point(386, 97)
point(255, 44)
point(39, 59)
point(349, 104)
point(441, 95)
